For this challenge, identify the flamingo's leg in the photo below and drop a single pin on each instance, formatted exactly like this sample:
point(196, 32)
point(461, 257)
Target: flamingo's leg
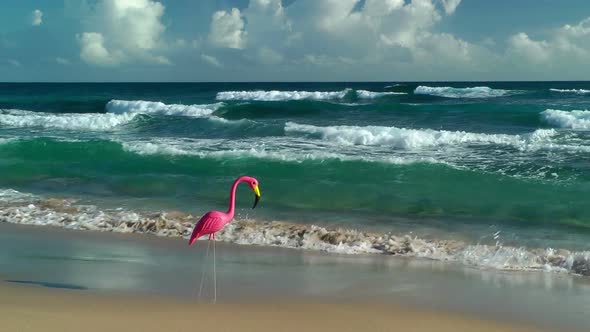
point(214, 273)
point(203, 265)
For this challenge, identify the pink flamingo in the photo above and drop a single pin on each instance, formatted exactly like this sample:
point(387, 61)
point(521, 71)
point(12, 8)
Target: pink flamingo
point(213, 221)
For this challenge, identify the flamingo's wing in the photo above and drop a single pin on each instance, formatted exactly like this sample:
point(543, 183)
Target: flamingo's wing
point(205, 226)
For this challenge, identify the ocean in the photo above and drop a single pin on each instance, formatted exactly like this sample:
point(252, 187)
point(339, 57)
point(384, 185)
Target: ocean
point(488, 174)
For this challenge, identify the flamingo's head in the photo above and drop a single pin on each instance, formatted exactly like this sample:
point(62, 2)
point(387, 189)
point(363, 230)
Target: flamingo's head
point(253, 183)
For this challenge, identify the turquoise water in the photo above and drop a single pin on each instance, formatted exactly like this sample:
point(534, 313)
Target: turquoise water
point(467, 159)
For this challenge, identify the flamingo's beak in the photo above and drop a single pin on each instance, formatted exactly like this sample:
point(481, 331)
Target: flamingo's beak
point(256, 195)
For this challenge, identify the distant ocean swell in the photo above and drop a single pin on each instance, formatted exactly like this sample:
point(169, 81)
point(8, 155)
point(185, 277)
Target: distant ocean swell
point(28, 209)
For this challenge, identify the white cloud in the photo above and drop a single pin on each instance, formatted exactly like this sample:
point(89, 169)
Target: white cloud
point(386, 32)
point(94, 52)
point(450, 5)
point(62, 61)
point(521, 45)
point(37, 17)
point(567, 45)
point(390, 34)
point(227, 29)
point(124, 30)
point(211, 60)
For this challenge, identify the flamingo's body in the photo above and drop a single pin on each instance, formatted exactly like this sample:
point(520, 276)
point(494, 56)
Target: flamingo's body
point(213, 221)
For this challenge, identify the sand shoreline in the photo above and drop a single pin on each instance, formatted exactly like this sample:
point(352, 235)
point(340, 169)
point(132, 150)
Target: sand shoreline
point(31, 308)
point(112, 272)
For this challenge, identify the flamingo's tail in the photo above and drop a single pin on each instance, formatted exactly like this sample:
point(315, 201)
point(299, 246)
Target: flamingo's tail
point(194, 238)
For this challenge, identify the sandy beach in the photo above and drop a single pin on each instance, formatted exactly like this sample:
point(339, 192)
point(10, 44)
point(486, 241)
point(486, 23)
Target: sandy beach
point(31, 308)
point(59, 280)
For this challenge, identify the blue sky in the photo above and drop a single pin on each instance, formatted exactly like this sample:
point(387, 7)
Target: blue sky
point(294, 40)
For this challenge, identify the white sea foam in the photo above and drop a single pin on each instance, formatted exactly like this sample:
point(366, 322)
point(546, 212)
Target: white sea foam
point(575, 91)
point(119, 112)
point(277, 149)
point(450, 92)
point(153, 107)
point(86, 121)
point(569, 119)
point(34, 210)
point(275, 95)
point(364, 94)
point(6, 140)
point(412, 139)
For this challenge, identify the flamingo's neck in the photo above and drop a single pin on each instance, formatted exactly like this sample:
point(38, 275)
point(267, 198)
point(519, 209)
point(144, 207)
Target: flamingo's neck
point(232, 197)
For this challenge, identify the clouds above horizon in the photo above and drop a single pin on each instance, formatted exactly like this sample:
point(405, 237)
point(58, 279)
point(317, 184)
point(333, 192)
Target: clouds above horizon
point(121, 31)
point(295, 40)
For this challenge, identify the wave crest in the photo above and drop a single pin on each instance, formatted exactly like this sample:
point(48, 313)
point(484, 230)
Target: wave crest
point(411, 139)
point(275, 95)
point(450, 92)
point(153, 107)
point(575, 91)
point(68, 121)
point(567, 119)
point(118, 112)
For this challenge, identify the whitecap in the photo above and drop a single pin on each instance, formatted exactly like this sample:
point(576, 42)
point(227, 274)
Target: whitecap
point(450, 92)
point(569, 119)
point(575, 91)
point(153, 107)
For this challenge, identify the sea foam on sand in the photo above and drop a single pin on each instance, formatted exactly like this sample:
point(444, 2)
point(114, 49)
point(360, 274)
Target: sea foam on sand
point(34, 210)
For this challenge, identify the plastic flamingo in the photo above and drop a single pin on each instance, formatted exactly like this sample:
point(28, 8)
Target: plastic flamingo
point(213, 221)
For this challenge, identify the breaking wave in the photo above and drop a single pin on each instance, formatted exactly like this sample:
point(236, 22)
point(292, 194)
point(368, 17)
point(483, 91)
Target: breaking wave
point(118, 112)
point(364, 94)
point(275, 95)
point(29, 209)
point(411, 139)
point(153, 107)
point(450, 92)
point(575, 91)
point(569, 120)
point(68, 121)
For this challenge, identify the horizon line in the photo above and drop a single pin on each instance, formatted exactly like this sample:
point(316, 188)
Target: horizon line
point(245, 82)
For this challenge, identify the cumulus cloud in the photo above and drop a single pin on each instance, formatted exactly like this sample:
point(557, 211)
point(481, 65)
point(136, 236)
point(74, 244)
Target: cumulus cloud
point(450, 5)
point(521, 45)
point(94, 52)
point(333, 33)
point(569, 44)
point(227, 29)
point(211, 60)
point(387, 32)
point(123, 30)
point(37, 17)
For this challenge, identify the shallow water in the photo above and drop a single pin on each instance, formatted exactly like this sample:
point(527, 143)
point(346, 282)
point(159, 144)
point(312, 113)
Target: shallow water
point(497, 164)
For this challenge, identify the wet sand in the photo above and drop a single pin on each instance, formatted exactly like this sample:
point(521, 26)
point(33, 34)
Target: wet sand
point(61, 280)
point(31, 308)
